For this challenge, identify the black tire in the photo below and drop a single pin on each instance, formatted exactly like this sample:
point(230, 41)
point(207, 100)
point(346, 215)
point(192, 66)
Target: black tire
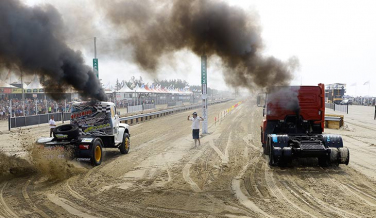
point(271, 161)
point(96, 153)
point(264, 149)
point(125, 145)
point(348, 160)
point(270, 151)
point(267, 146)
point(66, 132)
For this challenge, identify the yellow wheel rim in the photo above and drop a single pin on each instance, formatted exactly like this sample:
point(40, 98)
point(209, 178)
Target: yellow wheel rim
point(126, 143)
point(98, 153)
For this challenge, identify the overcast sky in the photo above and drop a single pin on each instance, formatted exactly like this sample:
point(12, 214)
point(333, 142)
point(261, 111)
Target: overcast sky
point(335, 42)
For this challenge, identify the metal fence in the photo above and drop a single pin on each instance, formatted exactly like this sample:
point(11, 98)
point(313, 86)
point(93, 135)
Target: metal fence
point(329, 105)
point(149, 106)
point(140, 117)
point(171, 103)
point(338, 107)
point(132, 109)
point(14, 122)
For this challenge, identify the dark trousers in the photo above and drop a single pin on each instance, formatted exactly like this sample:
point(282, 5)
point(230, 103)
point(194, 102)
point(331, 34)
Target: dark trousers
point(51, 130)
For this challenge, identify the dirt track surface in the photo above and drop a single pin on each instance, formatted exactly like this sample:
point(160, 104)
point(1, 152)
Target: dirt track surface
point(164, 176)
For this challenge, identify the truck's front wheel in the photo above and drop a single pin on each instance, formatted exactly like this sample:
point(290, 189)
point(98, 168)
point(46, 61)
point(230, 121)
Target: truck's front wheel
point(97, 153)
point(125, 145)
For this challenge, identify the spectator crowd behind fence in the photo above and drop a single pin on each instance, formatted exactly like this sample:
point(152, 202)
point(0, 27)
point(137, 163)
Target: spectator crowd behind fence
point(14, 107)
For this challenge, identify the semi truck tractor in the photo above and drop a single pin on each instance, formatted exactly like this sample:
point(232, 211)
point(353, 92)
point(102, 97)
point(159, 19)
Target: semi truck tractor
point(293, 125)
point(93, 126)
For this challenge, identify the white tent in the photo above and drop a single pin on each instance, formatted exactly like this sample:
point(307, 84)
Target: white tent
point(138, 89)
point(35, 84)
point(5, 85)
point(126, 89)
point(12, 78)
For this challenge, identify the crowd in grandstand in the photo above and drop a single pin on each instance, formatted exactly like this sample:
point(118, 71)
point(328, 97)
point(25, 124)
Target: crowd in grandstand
point(32, 107)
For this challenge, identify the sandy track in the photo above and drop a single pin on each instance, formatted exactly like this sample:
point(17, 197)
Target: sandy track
point(227, 176)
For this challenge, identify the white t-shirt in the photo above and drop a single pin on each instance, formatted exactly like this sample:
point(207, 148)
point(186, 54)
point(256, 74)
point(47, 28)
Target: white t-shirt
point(195, 122)
point(52, 122)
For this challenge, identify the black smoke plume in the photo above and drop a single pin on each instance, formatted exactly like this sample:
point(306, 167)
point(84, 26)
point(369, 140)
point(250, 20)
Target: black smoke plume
point(285, 98)
point(156, 28)
point(32, 39)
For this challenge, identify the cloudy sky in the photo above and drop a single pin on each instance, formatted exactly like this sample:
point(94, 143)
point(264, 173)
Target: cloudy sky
point(335, 41)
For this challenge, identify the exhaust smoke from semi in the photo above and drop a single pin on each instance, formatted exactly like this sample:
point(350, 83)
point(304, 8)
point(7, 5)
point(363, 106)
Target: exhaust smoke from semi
point(32, 40)
point(157, 28)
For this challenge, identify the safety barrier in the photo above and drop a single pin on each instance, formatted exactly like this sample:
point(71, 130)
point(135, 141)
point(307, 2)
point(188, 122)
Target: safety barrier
point(224, 113)
point(148, 116)
point(148, 106)
point(14, 122)
point(132, 109)
point(329, 105)
point(338, 107)
point(171, 104)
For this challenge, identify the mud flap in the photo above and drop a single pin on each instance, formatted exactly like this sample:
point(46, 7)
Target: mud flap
point(287, 154)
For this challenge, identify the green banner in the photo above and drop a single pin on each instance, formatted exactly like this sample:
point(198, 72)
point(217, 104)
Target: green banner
point(95, 67)
point(17, 90)
point(203, 70)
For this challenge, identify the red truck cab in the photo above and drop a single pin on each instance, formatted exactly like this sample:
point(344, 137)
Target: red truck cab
point(294, 120)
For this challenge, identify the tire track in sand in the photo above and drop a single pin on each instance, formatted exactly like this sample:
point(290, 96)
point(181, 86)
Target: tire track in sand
point(276, 192)
point(346, 190)
point(187, 167)
point(351, 184)
point(323, 204)
point(66, 205)
point(97, 206)
point(236, 188)
point(224, 156)
point(30, 202)
point(7, 210)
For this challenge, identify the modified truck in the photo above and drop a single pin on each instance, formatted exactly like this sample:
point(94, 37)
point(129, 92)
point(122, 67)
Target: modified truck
point(93, 126)
point(293, 126)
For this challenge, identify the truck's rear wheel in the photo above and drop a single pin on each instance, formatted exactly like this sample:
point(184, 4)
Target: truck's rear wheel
point(266, 148)
point(125, 145)
point(97, 153)
point(271, 153)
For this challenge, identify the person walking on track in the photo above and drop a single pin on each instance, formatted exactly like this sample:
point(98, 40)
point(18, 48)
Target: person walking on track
point(52, 125)
point(196, 127)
